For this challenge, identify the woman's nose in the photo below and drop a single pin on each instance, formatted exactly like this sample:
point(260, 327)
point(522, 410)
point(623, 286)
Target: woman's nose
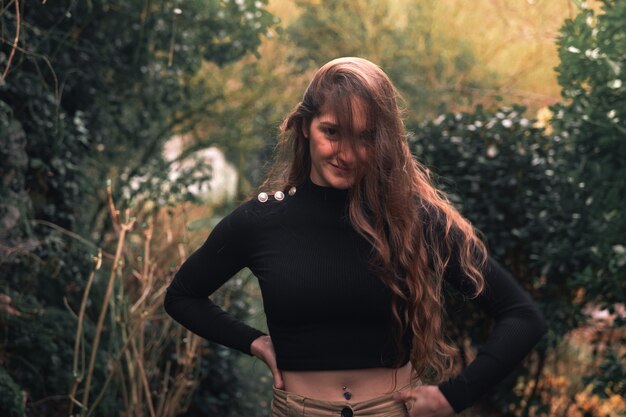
point(348, 154)
point(345, 154)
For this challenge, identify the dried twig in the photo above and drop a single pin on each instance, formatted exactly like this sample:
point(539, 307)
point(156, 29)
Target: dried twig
point(77, 374)
point(18, 24)
point(123, 229)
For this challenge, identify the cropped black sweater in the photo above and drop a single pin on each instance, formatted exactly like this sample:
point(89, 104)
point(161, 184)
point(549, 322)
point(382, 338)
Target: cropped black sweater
point(325, 310)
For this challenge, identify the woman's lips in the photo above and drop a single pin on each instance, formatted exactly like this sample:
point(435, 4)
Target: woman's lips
point(341, 169)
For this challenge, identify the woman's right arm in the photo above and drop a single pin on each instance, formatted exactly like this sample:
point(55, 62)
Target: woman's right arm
point(263, 348)
point(222, 255)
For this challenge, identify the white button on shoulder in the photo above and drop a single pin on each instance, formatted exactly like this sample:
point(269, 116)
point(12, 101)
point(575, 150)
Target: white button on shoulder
point(292, 191)
point(279, 195)
point(262, 197)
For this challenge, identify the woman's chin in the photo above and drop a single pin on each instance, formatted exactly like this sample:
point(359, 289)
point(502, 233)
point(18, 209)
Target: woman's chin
point(334, 178)
point(342, 183)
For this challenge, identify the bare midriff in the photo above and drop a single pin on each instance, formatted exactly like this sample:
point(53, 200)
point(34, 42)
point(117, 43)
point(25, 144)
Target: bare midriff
point(362, 384)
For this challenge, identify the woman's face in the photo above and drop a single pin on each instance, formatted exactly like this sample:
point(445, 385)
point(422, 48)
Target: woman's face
point(334, 159)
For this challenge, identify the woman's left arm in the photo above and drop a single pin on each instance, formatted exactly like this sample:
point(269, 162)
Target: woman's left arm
point(519, 324)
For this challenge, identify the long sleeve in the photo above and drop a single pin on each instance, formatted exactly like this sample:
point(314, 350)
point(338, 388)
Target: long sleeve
point(221, 256)
point(519, 325)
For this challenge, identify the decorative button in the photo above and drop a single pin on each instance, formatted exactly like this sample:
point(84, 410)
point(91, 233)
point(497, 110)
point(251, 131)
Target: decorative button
point(347, 412)
point(262, 197)
point(292, 191)
point(279, 195)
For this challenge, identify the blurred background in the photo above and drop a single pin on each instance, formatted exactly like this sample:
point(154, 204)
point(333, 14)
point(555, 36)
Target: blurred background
point(129, 128)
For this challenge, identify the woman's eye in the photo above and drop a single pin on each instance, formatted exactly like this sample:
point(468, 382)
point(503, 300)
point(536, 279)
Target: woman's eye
point(331, 132)
point(368, 136)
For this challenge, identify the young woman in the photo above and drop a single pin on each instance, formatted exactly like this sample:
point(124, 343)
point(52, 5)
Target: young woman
point(352, 246)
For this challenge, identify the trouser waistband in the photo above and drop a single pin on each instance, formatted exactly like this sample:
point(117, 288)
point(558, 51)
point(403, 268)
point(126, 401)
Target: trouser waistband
point(287, 404)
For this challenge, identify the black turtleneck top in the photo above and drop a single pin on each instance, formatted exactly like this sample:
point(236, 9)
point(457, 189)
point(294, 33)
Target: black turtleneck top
point(325, 310)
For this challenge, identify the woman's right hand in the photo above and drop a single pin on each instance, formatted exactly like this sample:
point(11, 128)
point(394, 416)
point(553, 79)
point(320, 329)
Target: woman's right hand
point(263, 349)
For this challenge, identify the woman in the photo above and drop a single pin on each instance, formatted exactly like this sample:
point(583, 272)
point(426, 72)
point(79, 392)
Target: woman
point(352, 249)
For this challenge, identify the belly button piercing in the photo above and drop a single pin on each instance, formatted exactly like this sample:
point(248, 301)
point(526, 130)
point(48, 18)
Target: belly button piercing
point(347, 394)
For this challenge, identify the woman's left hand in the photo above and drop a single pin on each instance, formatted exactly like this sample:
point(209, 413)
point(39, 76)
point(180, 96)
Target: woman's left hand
point(425, 401)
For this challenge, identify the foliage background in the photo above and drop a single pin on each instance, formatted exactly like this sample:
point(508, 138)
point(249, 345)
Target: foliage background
point(91, 91)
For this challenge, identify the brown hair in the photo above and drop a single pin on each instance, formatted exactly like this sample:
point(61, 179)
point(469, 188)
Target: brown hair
point(411, 247)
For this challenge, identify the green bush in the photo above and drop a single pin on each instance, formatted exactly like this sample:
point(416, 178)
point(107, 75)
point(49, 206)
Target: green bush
point(499, 171)
point(11, 398)
point(92, 93)
point(592, 51)
point(550, 202)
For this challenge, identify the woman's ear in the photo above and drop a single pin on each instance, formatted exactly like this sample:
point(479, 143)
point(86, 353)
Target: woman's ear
point(306, 127)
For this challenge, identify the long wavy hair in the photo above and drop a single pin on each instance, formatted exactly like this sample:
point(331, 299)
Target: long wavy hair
point(413, 228)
